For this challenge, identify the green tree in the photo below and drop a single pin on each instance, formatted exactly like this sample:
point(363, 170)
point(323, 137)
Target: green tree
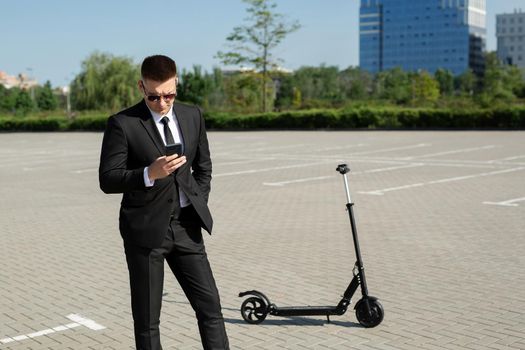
point(242, 92)
point(355, 83)
point(105, 82)
point(445, 79)
point(466, 83)
point(7, 98)
point(45, 98)
point(424, 88)
point(216, 96)
point(500, 81)
point(394, 85)
point(195, 86)
point(286, 91)
point(23, 103)
point(318, 83)
point(252, 44)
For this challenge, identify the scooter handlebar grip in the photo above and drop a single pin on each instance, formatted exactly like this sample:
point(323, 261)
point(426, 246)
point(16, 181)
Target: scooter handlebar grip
point(343, 169)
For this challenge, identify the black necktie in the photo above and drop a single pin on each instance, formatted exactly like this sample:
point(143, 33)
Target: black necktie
point(167, 132)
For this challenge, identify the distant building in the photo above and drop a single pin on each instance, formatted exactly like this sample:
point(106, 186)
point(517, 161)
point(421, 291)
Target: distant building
point(422, 34)
point(21, 81)
point(510, 32)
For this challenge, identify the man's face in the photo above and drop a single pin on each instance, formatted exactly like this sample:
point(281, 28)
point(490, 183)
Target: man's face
point(159, 96)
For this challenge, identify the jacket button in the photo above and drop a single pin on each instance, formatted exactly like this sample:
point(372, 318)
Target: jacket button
point(170, 200)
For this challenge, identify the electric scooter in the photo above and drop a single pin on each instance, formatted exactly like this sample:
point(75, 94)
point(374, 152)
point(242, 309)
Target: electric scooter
point(368, 309)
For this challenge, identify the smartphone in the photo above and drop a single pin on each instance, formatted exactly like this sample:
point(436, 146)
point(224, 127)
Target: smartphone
point(174, 148)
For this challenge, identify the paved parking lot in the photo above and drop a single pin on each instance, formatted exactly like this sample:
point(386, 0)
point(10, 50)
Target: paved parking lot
point(440, 215)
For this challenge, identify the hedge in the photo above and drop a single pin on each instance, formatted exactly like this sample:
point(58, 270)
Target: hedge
point(377, 118)
point(355, 118)
point(32, 124)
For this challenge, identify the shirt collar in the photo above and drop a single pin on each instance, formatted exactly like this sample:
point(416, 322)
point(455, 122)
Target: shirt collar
point(157, 117)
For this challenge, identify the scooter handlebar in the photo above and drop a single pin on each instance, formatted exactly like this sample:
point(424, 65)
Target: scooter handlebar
point(343, 169)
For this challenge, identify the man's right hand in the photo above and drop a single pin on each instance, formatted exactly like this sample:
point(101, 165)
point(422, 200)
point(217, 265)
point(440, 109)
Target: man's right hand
point(164, 166)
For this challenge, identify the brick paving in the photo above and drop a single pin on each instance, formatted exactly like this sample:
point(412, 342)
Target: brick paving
point(440, 215)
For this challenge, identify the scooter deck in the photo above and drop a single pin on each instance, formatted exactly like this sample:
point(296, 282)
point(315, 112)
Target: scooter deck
point(305, 311)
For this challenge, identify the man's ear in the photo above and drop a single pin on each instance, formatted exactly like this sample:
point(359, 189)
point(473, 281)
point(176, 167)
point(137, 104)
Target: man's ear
point(176, 80)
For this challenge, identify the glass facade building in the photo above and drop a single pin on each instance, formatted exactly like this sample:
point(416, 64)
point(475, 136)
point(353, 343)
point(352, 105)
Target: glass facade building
point(510, 31)
point(422, 34)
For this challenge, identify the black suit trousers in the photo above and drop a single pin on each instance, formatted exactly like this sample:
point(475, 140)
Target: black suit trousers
point(183, 250)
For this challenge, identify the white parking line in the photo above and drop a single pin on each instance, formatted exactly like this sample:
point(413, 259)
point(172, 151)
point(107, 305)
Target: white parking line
point(419, 145)
point(282, 183)
point(450, 179)
point(78, 321)
point(506, 159)
point(464, 150)
point(255, 171)
point(82, 171)
point(507, 203)
point(243, 161)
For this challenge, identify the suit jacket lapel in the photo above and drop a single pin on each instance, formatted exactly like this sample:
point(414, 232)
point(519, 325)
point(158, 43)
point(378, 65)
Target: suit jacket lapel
point(184, 130)
point(149, 124)
point(183, 125)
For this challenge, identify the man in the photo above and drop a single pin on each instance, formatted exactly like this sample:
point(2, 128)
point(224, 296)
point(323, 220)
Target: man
point(164, 203)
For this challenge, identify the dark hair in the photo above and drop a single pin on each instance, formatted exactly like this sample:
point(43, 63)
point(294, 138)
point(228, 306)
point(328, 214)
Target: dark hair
point(158, 68)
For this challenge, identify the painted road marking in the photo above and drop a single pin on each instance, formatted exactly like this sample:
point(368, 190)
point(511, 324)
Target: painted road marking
point(256, 171)
point(77, 322)
point(507, 203)
point(449, 179)
point(82, 171)
point(472, 149)
point(419, 145)
point(288, 182)
point(282, 183)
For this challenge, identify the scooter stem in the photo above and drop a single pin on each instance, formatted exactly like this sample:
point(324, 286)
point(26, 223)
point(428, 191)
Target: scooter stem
point(343, 169)
point(349, 200)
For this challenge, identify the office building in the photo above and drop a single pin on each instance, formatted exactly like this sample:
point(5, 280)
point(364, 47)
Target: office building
point(422, 35)
point(510, 32)
point(21, 81)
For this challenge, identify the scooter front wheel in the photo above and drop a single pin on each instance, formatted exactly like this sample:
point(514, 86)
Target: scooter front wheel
point(369, 312)
point(254, 310)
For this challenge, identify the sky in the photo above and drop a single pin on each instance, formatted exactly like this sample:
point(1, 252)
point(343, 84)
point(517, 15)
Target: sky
point(48, 40)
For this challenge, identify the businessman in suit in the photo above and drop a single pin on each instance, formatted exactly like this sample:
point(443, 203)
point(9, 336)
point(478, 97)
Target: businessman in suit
point(164, 203)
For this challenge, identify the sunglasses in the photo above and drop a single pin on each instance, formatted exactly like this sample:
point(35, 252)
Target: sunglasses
point(156, 98)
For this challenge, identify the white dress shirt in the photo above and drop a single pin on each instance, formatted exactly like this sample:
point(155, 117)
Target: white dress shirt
point(175, 130)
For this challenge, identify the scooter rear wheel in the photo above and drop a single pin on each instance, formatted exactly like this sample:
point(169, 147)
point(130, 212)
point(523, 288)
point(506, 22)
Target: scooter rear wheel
point(369, 315)
point(254, 310)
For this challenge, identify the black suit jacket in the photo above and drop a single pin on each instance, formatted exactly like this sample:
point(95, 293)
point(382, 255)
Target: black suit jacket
point(131, 143)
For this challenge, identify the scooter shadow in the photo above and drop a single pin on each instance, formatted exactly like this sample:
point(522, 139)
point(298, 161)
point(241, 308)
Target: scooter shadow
point(297, 321)
point(282, 320)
